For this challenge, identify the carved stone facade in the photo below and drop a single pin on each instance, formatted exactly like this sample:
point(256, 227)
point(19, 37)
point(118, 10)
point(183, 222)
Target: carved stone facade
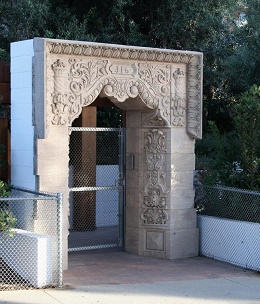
point(161, 91)
point(166, 80)
point(154, 200)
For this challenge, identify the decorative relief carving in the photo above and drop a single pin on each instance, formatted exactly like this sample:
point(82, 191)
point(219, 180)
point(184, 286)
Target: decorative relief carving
point(157, 77)
point(178, 104)
point(155, 141)
point(194, 95)
point(60, 98)
point(84, 80)
point(154, 120)
point(154, 200)
point(153, 216)
point(155, 240)
point(118, 52)
point(122, 80)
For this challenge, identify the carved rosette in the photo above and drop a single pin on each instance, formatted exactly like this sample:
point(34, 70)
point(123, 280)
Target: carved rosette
point(154, 199)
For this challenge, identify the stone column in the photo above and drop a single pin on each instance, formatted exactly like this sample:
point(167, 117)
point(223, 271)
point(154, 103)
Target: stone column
point(160, 216)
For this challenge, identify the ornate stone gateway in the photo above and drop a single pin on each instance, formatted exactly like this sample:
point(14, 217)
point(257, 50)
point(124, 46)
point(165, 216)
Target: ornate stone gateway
point(161, 91)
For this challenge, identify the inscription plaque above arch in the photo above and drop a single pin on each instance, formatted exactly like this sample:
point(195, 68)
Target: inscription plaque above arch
point(169, 81)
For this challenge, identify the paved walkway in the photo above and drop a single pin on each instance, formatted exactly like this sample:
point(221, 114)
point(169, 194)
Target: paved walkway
point(113, 277)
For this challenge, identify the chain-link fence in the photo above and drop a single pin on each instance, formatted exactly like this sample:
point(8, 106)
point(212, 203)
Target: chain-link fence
point(229, 223)
point(96, 191)
point(30, 240)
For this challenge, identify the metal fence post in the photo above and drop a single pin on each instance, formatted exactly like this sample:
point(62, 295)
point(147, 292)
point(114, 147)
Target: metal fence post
point(59, 231)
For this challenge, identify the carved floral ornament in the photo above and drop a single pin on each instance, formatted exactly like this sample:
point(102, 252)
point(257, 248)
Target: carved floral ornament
point(154, 198)
point(121, 72)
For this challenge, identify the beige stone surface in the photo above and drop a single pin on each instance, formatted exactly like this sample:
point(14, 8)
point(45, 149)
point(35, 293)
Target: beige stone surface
point(161, 93)
point(180, 219)
point(182, 243)
point(181, 199)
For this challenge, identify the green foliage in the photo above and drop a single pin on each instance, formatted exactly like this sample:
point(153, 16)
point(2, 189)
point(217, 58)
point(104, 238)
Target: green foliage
point(242, 66)
point(4, 56)
point(7, 223)
point(247, 123)
point(231, 50)
point(4, 189)
point(233, 159)
point(236, 205)
point(7, 218)
point(109, 117)
point(216, 157)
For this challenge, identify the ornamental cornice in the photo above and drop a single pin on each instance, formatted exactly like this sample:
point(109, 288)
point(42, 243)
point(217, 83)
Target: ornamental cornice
point(119, 52)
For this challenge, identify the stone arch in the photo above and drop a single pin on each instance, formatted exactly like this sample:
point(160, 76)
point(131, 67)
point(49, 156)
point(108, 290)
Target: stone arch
point(78, 82)
point(75, 73)
point(162, 93)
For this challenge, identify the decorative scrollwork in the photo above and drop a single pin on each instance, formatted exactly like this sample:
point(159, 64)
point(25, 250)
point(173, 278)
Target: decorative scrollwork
point(152, 70)
point(155, 141)
point(157, 77)
point(154, 216)
point(154, 200)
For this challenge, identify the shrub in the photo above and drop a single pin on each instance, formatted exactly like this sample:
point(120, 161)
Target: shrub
point(7, 218)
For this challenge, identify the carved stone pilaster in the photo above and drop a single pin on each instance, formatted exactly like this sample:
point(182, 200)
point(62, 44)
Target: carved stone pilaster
point(154, 199)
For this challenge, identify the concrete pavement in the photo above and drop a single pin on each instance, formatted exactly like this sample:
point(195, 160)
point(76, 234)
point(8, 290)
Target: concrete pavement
point(235, 290)
point(118, 277)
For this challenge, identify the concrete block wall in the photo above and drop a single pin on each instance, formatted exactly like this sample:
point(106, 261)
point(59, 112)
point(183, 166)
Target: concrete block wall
point(22, 129)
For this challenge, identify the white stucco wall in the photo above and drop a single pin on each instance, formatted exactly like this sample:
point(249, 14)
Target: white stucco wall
point(22, 129)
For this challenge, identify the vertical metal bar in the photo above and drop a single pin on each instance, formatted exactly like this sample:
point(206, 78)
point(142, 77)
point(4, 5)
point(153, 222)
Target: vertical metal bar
point(59, 232)
point(122, 185)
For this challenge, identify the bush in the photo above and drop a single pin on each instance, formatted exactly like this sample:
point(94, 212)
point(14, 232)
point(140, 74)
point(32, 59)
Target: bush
point(233, 159)
point(7, 218)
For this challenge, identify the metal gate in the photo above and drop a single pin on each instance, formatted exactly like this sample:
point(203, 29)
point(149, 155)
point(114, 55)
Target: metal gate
point(96, 181)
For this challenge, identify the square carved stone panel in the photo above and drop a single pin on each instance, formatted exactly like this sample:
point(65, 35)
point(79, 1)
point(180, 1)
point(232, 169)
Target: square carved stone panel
point(155, 240)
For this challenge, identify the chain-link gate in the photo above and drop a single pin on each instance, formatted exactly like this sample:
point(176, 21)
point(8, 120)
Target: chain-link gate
point(96, 181)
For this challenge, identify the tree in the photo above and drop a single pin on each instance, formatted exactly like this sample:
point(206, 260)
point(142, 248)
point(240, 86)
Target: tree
point(230, 48)
point(242, 67)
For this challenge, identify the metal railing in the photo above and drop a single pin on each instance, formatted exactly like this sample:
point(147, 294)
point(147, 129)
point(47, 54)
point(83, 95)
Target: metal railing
point(31, 252)
point(229, 223)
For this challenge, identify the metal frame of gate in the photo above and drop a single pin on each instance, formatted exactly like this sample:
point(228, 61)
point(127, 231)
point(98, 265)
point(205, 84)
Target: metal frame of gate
point(119, 185)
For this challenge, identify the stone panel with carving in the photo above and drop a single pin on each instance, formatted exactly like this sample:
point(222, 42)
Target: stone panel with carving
point(123, 72)
point(154, 199)
point(155, 240)
point(84, 79)
point(178, 98)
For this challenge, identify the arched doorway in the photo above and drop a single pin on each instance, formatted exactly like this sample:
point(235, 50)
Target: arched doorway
point(161, 92)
